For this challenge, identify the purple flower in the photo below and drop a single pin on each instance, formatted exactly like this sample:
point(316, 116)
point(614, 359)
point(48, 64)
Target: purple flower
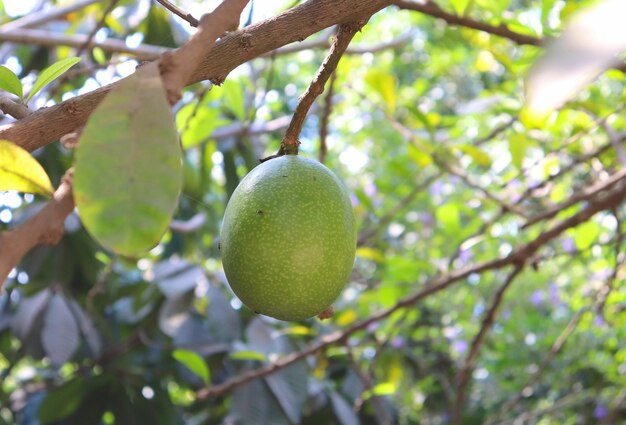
point(371, 189)
point(600, 412)
point(436, 188)
point(397, 342)
point(354, 200)
point(537, 297)
point(553, 292)
point(568, 245)
point(460, 346)
point(465, 255)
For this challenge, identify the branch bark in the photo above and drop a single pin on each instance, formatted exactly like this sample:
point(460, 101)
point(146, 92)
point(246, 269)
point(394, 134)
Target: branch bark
point(45, 227)
point(49, 124)
point(603, 200)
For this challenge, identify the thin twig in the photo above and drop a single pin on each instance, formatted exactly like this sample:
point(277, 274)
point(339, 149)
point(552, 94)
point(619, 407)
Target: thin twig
point(179, 12)
point(429, 7)
point(470, 360)
point(37, 19)
point(554, 350)
point(379, 409)
point(97, 27)
point(578, 197)
point(10, 107)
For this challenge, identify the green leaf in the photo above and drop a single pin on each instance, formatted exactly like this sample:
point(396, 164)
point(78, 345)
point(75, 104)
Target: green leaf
point(62, 401)
point(10, 82)
point(234, 98)
point(51, 73)
point(479, 156)
point(128, 169)
point(586, 234)
point(448, 217)
point(460, 6)
point(20, 171)
point(384, 83)
point(384, 388)
point(248, 355)
point(517, 148)
point(194, 362)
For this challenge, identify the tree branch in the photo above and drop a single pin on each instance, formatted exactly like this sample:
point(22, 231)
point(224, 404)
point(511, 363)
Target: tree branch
point(15, 109)
point(431, 8)
point(45, 227)
point(51, 39)
point(177, 66)
point(470, 360)
point(36, 19)
point(603, 200)
point(179, 12)
point(48, 124)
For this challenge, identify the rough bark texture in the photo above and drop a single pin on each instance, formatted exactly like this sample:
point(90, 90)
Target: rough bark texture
point(49, 124)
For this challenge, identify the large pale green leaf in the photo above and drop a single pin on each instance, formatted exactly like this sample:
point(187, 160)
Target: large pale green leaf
point(20, 171)
point(517, 148)
point(51, 73)
point(10, 82)
point(128, 166)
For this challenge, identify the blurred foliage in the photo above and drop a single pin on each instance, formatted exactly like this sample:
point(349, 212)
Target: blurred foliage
point(422, 133)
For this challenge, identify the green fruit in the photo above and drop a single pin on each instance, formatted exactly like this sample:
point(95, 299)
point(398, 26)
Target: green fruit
point(288, 238)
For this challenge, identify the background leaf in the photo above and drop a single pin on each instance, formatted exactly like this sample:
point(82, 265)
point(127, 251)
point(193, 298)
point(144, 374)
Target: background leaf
point(59, 335)
point(128, 171)
point(194, 362)
point(10, 82)
point(20, 171)
point(50, 74)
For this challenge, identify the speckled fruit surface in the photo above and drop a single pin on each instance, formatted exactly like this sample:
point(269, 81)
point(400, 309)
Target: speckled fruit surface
point(288, 238)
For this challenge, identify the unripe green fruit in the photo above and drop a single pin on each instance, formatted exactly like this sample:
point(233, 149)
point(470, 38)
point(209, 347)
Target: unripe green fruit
point(288, 238)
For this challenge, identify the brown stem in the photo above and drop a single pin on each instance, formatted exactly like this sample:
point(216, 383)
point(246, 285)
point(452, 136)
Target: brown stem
point(179, 12)
point(345, 34)
point(328, 107)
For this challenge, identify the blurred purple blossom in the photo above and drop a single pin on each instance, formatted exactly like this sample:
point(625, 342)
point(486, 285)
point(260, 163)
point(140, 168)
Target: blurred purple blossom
point(568, 245)
point(371, 189)
point(515, 190)
point(436, 188)
point(397, 342)
point(537, 297)
point(354, 200)
point(460, 346)
point(600, 412)
point(427, 219)
point(465, 255)
point(554, 294)
point(599, 321)
point(372, 327)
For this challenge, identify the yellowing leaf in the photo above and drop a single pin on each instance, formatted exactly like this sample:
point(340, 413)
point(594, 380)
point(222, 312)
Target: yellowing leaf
point(370, 254)
point(517, 147)
point(384, 83)
point(20, 171)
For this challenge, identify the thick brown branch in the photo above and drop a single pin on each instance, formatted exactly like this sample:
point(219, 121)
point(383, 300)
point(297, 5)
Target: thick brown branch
point(602, 201)
point(45, 227)
point(177, 66)
point(49, 124)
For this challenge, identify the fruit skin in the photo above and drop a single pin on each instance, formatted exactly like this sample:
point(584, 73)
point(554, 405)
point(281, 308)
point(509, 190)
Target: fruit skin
point(288, 238)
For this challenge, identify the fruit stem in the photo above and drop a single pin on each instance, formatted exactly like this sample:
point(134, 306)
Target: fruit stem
point(345, 33)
